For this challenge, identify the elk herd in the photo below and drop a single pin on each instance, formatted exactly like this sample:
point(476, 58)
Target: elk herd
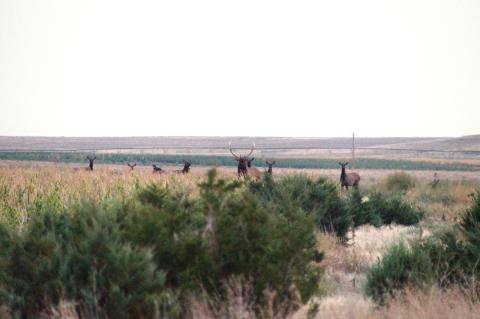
point(245, 168)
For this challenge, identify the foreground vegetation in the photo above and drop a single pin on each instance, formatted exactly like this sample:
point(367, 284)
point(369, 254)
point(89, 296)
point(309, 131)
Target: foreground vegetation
point(121, 243)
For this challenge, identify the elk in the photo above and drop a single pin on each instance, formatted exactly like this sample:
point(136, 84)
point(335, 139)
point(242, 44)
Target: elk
point(270, 166)
point(186, 168)
point(348, 179)
point(132, 166)
point(91, 160)
point(242, 168)
point(157, 169)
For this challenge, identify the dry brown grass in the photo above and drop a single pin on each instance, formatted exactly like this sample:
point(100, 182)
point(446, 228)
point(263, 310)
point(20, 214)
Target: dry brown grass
point(345, 266)
point(444, 202)
point(432, 304)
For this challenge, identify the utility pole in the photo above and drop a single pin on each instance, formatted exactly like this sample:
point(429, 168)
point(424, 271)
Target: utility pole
point(353, 150)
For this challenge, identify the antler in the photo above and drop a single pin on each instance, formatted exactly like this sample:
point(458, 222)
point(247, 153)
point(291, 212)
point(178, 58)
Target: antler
point(236, 156)
point(231, 151)
point(251, 151)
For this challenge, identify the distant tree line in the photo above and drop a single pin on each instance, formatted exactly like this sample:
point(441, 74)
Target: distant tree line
point(211, 160)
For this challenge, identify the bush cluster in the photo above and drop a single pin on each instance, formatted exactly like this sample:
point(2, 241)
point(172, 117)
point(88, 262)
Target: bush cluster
point(80, 256)
point(147, 255)
point(334, 213)
point(449, 257)
point(317, 198)
point(382, 209)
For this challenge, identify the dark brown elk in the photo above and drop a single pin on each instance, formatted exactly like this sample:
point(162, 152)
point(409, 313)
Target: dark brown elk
point(157, 169)
point(348, 179)
point(132, 166)
point(91, 160)
point(186, 168)
point(242, 168)
point(270, 166)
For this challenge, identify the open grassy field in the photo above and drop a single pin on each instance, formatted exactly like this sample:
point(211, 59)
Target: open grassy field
point(27, 189)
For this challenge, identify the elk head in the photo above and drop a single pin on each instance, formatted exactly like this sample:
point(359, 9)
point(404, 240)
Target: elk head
point(91, 160)
point(243, 160)
point(270, 166)
point(132, 166)
point(343, 164)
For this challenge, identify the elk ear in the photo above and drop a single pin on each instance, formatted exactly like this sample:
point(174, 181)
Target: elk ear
point(346, 163)
point(340, 163)
point(273, 162)
point(252, 159)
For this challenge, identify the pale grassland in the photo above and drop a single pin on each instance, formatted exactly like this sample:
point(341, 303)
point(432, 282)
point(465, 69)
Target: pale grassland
point(22, 189)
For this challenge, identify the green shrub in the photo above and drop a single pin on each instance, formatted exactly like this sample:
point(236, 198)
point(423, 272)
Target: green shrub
point(399, 181)
point(224, 233)
point(320, 198)
point(82, 257)
point(379, 209)
point(470, 231)
point(394, 209)
point(451, 257)
point(317, 198)
point(401, 266)
point(362, 211)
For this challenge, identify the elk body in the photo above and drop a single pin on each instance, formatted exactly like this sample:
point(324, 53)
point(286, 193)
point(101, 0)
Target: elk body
point(157, 169)
point(186, 168)
point(253, 171)
point(91, 160)
point(242, 167)
point(270, 166)
point(348, 179)
point(132, 166)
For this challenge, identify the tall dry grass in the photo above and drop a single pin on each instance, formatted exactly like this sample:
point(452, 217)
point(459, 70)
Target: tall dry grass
point(435, 303)
point(22, 189)
point(445, 201)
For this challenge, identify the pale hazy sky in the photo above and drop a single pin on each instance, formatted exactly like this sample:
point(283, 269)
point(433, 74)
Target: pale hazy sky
point(270, 68)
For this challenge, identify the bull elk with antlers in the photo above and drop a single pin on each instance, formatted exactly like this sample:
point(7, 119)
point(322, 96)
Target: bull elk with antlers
point(348, 179)
point(242, 168)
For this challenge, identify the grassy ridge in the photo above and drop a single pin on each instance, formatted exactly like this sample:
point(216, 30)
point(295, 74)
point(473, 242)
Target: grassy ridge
point(209, 160)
